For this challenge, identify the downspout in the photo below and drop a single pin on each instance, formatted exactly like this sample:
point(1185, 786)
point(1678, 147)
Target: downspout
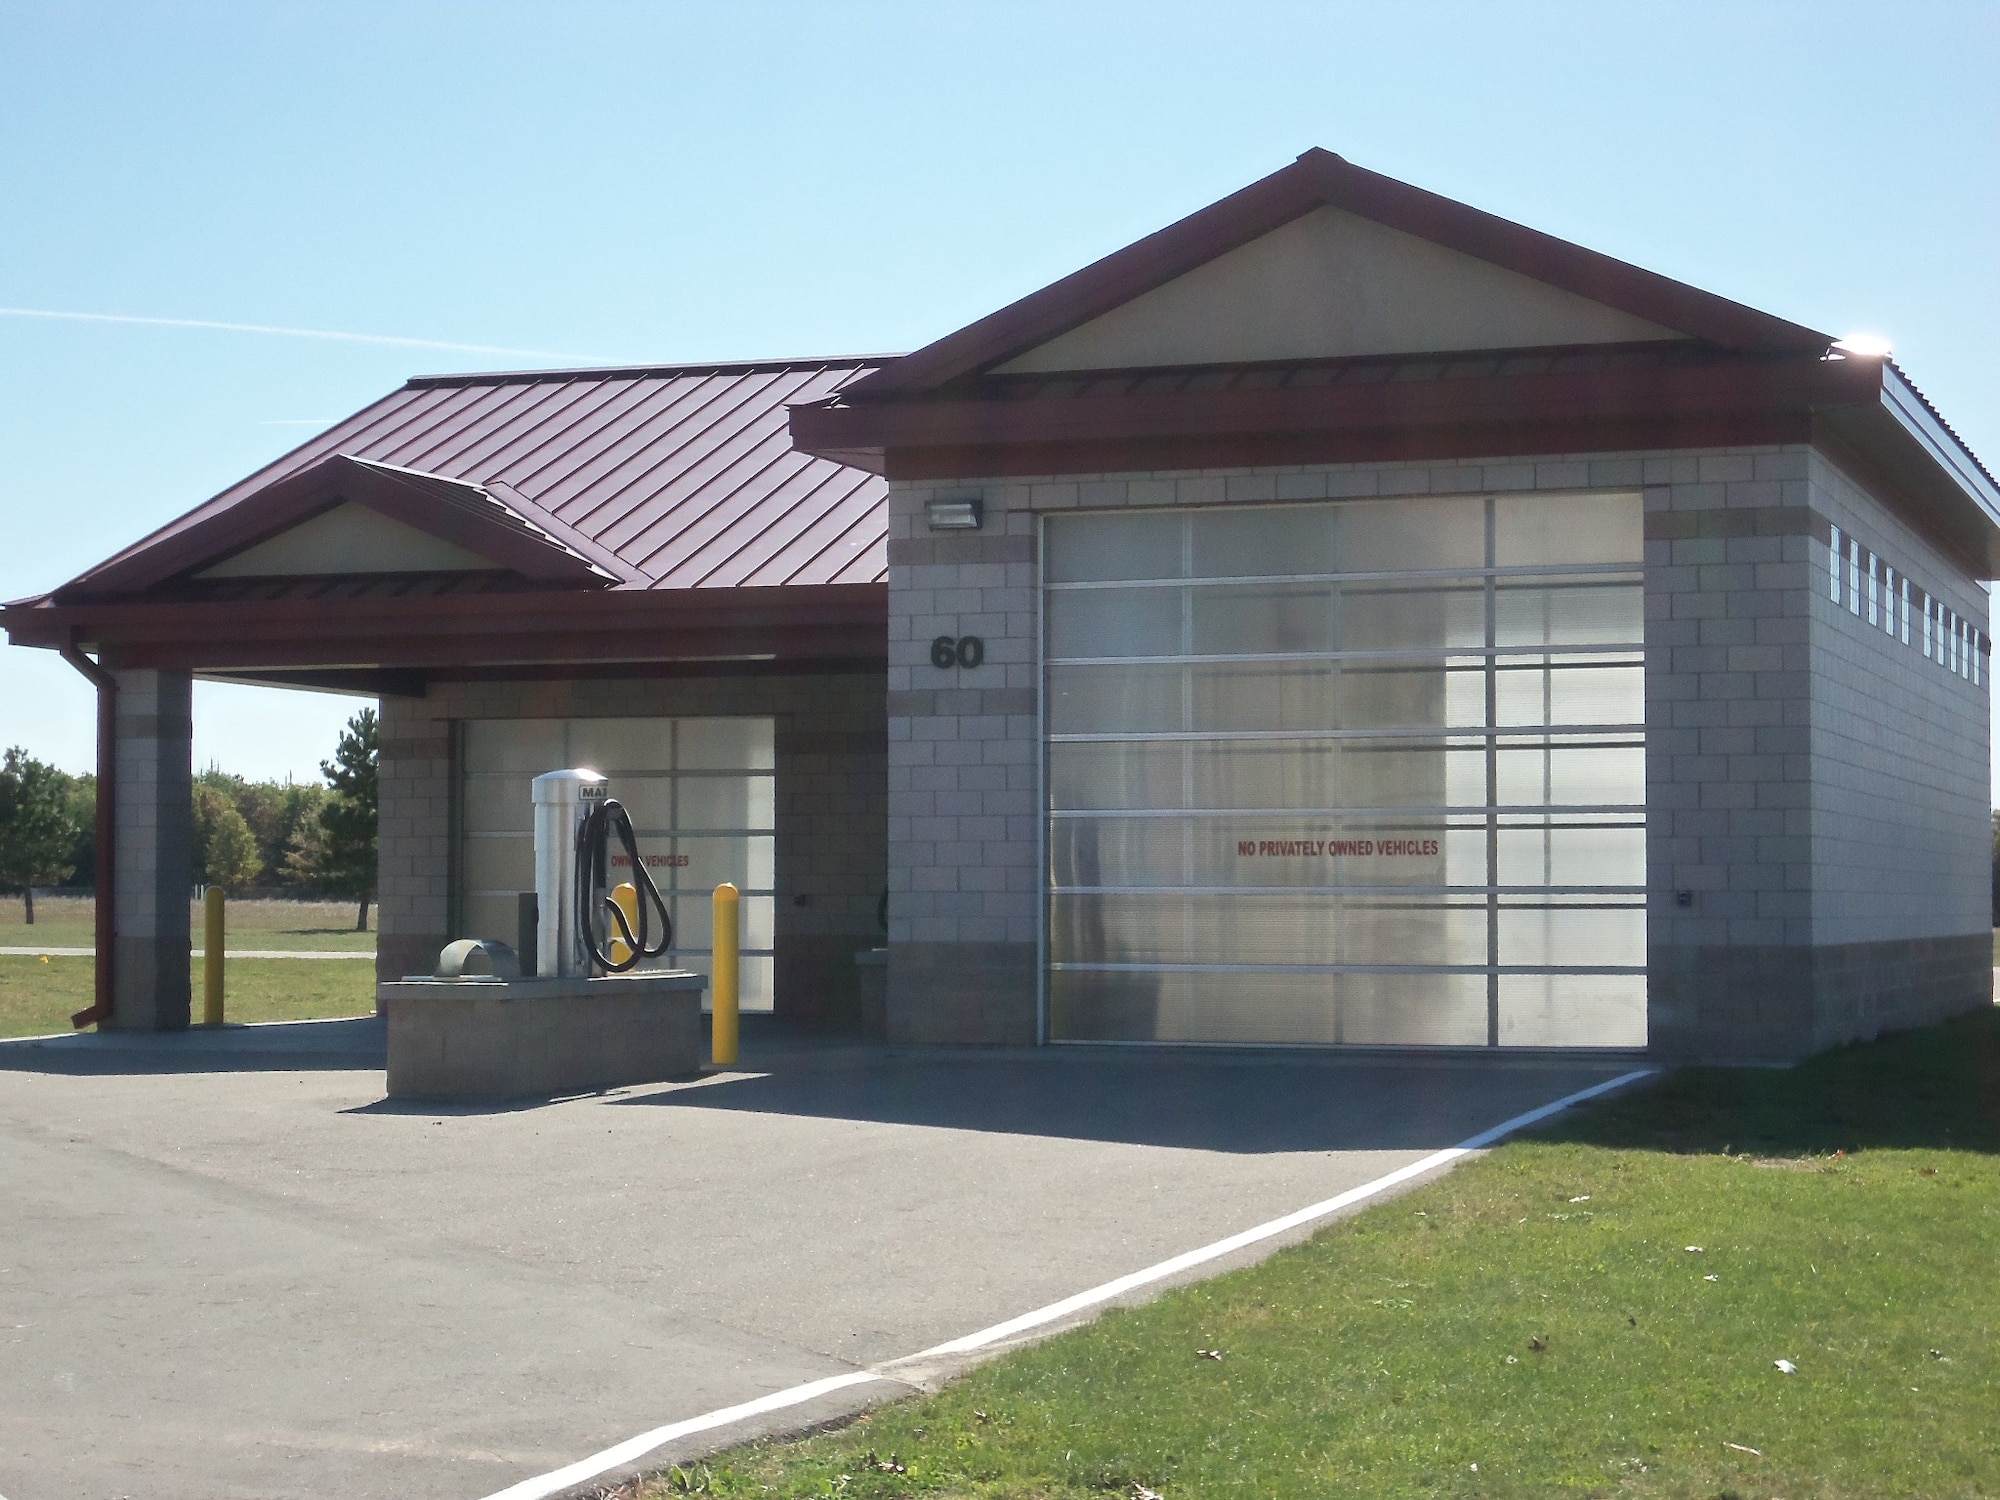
point(107, 831)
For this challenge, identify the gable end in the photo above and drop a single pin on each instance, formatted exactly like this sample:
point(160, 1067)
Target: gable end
point(1332, 284)
point(348, 539)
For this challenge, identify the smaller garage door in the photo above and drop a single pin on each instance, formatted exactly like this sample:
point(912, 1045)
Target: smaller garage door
point(702, 798)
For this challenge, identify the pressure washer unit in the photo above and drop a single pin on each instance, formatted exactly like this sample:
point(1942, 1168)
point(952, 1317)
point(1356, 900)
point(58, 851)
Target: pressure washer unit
point(584, 924)
point(582, 1019)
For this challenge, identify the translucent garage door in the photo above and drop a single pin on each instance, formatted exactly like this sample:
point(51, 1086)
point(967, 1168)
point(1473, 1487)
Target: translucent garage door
point(701, 796)
point(1369, 772)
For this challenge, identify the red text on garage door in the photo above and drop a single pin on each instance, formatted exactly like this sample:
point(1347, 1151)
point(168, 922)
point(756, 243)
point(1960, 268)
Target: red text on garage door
point(1335, 848)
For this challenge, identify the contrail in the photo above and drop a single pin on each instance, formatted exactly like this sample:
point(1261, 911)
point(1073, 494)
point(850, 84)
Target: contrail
point(294, 333)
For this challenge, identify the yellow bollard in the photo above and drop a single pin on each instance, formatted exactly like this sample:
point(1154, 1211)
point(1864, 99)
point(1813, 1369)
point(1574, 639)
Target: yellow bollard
point(626, 897)
point(211, 963)
point(723, 982)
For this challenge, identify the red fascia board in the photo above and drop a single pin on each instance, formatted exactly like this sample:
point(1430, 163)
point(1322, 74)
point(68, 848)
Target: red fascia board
point(285, 503)
point(1263, 206)
point(1321, 179)
point(609, 613)
point(1558, 262)
point(1357, 446)
point(602, 556)
point(395, 408)
point(743, 641)
point(464, 514)
point(449, 509)
point(1748, 385)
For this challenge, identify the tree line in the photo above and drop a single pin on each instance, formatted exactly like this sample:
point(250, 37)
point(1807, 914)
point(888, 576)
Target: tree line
point(309, 839)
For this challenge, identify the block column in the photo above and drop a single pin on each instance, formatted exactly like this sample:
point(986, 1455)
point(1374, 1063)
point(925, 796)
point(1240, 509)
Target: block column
point(154, 828)
point(964, 891)
point(415, 835)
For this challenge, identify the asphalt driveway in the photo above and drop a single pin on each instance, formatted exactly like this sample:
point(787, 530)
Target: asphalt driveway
point(229, 1267)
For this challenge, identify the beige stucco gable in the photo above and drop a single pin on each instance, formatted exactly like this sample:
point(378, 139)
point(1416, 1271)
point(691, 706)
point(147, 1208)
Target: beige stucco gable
point(1328, 285)
point(349, 538)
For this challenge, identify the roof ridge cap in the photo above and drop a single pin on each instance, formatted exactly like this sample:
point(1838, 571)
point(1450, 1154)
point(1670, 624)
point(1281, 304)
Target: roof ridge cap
point(641, 371)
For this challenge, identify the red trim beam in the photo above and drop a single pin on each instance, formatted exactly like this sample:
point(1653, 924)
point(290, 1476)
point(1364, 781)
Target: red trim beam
point(1730, 386)
point(770, 624)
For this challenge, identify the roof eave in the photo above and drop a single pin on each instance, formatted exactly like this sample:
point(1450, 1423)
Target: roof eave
point(1728, 386)
point(806, 622)
point(1899, 435)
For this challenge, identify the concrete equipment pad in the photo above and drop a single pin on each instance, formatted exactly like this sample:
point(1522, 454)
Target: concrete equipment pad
point(230, 1268)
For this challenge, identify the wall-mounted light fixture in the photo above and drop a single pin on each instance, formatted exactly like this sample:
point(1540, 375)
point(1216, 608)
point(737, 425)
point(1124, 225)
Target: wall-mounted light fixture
point(954, 515)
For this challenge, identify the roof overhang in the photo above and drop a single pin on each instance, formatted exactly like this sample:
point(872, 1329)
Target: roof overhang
point(1468, 406)
point(1897, 437)
point(1350, 420)
point(395, 645)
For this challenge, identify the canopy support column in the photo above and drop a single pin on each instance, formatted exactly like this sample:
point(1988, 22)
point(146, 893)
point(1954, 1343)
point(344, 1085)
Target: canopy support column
point(154, 834)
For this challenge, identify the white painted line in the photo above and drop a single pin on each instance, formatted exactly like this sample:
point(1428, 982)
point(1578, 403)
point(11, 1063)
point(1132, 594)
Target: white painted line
point(1057, 1311)
point(586, 1469)
point(297, 953)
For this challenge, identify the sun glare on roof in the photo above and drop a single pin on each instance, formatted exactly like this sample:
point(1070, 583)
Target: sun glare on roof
point(1864, 345)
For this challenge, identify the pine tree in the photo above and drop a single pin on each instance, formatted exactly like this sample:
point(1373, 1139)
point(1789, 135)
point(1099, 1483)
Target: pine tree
point(38, 829)
point(347, 819)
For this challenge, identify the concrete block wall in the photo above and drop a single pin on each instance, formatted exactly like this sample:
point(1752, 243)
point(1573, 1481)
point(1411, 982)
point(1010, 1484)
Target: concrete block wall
point(1728, 714)
point(413, 891)
point(963, 758)
point(831, 813)
point(1901, 901)
point(1901, 798)
point(1735, 761)
point(155, 838)
point(1816, 791)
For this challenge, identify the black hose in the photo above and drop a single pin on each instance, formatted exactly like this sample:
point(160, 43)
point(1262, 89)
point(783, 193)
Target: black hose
point(593, 895)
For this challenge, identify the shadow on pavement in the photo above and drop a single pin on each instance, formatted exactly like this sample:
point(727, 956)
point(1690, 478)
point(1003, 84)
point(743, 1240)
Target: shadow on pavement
point(353, 1044)
point(1202, 1101)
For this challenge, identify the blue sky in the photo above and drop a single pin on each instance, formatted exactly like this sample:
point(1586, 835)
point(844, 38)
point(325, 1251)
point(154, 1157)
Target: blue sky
point(610, 182)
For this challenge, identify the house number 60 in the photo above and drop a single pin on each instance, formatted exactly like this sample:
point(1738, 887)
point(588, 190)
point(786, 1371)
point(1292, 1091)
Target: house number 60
point(966, 651)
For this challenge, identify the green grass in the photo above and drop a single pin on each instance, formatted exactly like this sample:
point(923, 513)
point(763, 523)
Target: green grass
point(37, 998)
point(66, 922)
point(1537, 1314)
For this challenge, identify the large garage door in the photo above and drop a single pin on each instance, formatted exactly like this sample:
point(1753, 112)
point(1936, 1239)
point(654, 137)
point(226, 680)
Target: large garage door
point(702, 800)
point(1366, 772)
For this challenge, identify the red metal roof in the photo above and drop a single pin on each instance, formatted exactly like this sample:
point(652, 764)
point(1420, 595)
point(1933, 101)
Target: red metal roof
point(675, 477)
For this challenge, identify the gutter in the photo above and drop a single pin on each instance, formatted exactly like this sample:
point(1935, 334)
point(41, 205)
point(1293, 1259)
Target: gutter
point(107, 833)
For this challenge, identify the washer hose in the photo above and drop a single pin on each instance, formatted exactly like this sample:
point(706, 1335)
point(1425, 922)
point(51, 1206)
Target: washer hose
point(593, 896)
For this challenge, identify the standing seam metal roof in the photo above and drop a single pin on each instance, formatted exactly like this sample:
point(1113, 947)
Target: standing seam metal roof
point(686, 472)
